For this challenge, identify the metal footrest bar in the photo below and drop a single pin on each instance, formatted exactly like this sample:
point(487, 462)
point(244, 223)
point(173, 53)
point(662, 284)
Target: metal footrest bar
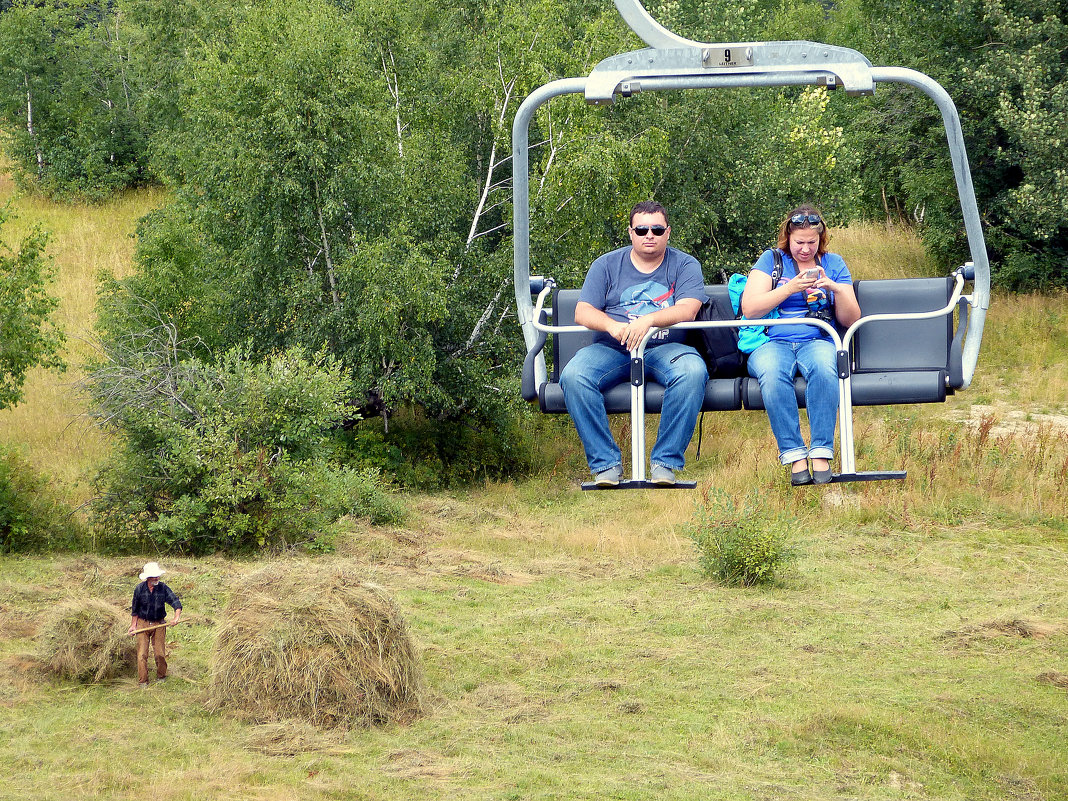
point(590, 485)
point(884, 475)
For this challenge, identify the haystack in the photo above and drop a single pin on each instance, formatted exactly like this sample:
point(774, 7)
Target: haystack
point(314, 643)
point(87, 641)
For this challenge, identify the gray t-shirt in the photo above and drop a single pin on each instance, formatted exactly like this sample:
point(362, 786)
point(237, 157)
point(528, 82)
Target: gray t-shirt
point(616, 287)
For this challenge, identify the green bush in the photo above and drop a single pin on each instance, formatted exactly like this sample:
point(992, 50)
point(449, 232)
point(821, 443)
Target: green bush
point(32, 518)
point(231, 456)
point(740, 543)
point(362, 493)
point(430, 454)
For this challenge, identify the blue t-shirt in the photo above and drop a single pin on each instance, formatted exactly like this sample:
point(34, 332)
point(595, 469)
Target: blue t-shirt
point(616, 287)
point(797, 304)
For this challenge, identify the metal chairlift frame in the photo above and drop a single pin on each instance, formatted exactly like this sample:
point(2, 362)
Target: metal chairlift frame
point(673, 62)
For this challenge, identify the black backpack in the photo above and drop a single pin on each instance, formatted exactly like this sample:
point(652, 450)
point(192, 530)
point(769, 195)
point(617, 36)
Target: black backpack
point(719, 346)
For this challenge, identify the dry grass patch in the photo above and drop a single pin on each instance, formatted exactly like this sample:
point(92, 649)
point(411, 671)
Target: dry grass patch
point(87, 240)
point(87, 641)
point(314, 643)
point(292, 737)
point(991, 629)
point(410, 764)
point(1054, 677)
point(874, 250)
point(16, 624)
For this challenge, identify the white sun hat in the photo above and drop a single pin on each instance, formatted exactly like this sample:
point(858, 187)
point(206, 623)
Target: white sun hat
point(152, 570)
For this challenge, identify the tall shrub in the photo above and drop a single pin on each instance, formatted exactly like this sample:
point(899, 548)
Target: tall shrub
point(32, 518)
point(227, 455)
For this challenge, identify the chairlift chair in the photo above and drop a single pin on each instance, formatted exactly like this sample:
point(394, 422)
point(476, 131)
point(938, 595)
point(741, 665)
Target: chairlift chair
point(904, 348)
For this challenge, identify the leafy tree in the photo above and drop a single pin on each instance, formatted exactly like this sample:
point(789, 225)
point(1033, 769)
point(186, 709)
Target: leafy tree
point(88, 90)
point(27, 336)
point(1003, 62)
point(338, 186)
point(67, 98)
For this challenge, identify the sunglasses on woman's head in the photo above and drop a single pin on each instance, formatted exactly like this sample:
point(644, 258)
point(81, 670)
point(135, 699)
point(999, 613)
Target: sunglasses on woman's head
point(802, 219)
point(642, 230)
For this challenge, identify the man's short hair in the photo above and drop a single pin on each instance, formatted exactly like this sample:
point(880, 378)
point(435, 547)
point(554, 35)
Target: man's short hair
point(649, 207)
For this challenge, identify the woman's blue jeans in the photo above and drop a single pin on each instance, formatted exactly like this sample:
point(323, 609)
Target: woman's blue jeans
point(599, 367)
point(774, 364)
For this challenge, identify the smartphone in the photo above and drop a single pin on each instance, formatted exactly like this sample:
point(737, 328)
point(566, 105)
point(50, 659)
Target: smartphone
point(813, 273)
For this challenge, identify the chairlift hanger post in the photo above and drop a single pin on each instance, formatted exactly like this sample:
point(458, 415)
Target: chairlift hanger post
point(672, 62)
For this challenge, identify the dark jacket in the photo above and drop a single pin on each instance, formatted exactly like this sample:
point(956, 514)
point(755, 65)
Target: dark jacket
point(150, 606)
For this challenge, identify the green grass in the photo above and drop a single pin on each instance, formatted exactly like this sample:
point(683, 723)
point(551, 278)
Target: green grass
point(86, 240)
point(572, 647)
point(874, 671)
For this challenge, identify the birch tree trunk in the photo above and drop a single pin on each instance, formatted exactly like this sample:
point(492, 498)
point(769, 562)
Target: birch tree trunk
point(29, 128)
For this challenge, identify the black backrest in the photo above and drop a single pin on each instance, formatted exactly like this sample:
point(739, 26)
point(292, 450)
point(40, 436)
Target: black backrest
point(719, 293)
point(566, 345)
point(905, 344)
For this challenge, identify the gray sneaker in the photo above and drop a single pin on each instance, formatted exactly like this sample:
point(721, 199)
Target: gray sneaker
point(609, 477)
point(662, 475)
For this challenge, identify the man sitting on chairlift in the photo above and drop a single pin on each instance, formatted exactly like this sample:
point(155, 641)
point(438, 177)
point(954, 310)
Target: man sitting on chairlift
point(627, 292)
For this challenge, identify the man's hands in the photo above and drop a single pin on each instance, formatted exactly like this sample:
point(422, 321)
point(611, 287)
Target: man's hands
point(630, 334)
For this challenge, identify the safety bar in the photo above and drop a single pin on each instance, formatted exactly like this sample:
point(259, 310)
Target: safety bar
point(845, 401)
point(637, 395)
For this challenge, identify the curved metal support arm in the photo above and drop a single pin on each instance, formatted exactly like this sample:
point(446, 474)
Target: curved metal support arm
point(966, 192)
point(521, 206)
point(648, 29)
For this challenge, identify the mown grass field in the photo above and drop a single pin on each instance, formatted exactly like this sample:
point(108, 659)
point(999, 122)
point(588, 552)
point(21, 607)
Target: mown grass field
point(917, 648)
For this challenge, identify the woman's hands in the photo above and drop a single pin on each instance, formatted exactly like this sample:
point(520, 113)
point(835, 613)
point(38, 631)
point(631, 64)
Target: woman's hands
point(807, 279)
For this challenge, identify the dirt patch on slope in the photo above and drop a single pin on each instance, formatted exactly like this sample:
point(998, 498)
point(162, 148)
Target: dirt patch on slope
point(1004, 420)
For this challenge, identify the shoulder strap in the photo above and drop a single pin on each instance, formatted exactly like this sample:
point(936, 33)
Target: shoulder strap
point(776, 272)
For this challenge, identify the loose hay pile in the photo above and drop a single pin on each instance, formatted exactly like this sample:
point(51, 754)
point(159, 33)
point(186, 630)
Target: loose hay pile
point(315, 644)
point(87, 641)
point(292, 737)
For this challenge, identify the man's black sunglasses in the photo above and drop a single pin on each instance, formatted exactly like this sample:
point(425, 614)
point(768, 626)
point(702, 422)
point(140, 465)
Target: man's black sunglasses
point(801, 219)
point(642, 230)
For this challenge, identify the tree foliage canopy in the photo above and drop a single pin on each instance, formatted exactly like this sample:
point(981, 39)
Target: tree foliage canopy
point(255, 108)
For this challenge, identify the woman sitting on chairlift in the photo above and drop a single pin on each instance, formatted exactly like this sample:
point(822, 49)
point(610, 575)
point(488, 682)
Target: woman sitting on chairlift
point(814, 283)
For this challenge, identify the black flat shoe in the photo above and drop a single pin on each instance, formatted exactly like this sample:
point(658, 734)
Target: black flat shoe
point(821, 476)
point(801, 479)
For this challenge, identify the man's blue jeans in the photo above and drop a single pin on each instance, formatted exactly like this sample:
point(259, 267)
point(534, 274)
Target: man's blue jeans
point(598, 367)
point(774, 364)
